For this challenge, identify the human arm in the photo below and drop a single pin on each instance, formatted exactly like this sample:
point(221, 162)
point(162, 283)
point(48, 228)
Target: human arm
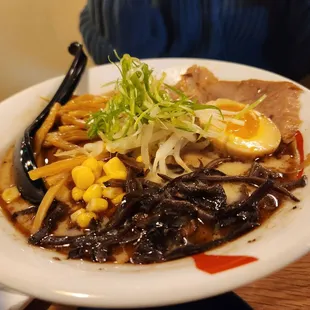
point(129, 26)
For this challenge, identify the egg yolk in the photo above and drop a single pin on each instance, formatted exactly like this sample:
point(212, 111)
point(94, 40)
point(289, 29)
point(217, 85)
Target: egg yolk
point(251, 135)
point(250, 119)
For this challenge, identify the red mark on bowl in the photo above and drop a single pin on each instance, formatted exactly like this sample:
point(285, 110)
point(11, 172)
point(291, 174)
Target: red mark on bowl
point(217, 263)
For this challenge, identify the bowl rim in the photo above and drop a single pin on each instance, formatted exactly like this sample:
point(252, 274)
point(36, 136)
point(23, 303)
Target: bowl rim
point(249, 272)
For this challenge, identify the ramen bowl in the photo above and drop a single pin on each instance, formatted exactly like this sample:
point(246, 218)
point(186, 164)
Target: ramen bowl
point(48, 275)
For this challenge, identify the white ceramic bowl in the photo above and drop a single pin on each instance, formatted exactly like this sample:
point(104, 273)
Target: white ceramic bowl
point(282, 239)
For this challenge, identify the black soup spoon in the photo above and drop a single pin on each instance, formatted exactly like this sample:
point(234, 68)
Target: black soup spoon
point(23, 157)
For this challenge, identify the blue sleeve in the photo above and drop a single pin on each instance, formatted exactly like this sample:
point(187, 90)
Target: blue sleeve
point(134, 27)
point(143, 28)
point(298, 39)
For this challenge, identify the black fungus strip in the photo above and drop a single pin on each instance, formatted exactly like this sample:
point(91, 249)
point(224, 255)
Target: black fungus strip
point(131, 163)
point(124, 235)
point(176, 206)
point(201, 165)
point(50, 223)
point(250, 180)
point(245, 193)
point(133, 185)
point(245, 210)
point(258, 170)
point(124, 211)
point(115, 183)
point(149, 184)
point(175, 168)
point(158, 222)
point(251, 202)
point(191, 177)
point(200, 190)
point(100, 253)
point(165, 177)
point(192, 249)
point(217, 162)
point(27, 211)
point(58, 241)
point(301, 182)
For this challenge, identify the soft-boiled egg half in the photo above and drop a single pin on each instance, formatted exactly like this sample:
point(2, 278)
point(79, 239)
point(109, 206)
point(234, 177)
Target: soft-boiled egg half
point(248, 134)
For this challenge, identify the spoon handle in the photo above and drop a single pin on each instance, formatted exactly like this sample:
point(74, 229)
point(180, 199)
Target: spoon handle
point(23, 158)
point(68, 85)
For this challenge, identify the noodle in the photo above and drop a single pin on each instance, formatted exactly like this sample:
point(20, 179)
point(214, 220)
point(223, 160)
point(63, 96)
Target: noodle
point(66, 128)
point(55, 139)
point(79, 113)
point(56, 167)
point(70, 120)
point(54, 179)
point(45, 204)
point(68, 136)
point(45, 128)
point(91, 106)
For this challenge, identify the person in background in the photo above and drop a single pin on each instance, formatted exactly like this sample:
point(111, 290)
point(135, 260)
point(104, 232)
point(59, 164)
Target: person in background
point(270, 34)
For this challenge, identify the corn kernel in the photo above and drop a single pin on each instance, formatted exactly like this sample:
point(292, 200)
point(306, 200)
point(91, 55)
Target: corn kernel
point(83, 177)
point(112, 192)
point(120, 175)
point(91, 163)
point(10, 194)
point(103, 179)
point(139, 159)
point(84, 218)
point(99, 169)
point(98, 172)
point(97, 205)
point(118, 199)
point(101, 163)
point(75, 214)
point(94, 191)
point(115, 168)
point(77, 193)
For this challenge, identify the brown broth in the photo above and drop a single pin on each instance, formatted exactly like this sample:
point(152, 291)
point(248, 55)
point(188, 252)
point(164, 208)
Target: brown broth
point(286, 163)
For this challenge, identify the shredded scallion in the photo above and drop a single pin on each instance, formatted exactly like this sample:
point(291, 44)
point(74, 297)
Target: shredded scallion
point(250, 107)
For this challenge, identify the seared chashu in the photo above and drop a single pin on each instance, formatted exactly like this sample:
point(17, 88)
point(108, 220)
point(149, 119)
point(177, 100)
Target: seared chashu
point(281, 104)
